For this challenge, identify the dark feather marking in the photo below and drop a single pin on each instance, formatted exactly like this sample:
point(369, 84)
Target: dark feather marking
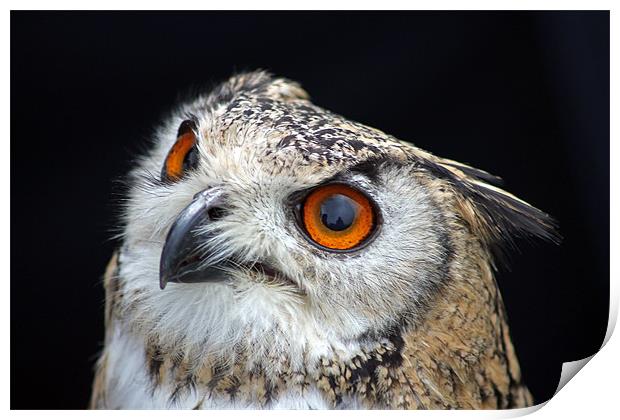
point(233, 389)
point(155, 360)
point(370, 167)
point(366, 373)
point(495, 393)
point(188, 383)
point(477, 173)
point(270, 392)
point(218, 372)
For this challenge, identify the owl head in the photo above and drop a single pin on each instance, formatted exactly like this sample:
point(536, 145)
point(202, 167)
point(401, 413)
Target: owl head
point(258, 219)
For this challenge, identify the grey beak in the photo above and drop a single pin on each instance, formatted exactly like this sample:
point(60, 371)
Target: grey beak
point(180, 262)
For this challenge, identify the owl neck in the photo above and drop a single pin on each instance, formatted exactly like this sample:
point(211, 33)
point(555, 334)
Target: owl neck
point(460, 356)
point(331, 381)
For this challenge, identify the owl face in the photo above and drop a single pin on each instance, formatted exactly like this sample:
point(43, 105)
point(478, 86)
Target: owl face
point(259, 217)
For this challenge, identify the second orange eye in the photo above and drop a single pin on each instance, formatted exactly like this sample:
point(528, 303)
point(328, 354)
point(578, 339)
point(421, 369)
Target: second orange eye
point(183, 155)
point(338, 216)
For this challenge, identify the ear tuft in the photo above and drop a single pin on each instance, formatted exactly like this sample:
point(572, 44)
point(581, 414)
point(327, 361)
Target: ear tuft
point(493, 214)
point(259, 83)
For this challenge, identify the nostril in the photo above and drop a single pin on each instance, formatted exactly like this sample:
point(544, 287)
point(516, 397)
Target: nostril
point(216, 213)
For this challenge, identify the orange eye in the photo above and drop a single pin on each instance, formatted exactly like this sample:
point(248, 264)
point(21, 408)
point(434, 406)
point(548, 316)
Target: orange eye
point(337, 216)
point(183, 155)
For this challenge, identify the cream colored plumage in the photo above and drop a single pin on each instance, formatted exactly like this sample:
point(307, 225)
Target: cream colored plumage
point(412, 318)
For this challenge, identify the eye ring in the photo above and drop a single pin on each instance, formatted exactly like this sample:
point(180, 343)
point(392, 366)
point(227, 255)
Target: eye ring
point(338, 217)
point(183, 155)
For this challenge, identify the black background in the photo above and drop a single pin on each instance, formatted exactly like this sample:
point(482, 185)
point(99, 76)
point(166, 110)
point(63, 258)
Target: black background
point(522, 95)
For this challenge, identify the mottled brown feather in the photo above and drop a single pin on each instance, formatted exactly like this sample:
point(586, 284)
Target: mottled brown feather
point(111, 287)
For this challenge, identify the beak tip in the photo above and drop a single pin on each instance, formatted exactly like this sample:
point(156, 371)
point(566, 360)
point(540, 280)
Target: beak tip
point(163, 281)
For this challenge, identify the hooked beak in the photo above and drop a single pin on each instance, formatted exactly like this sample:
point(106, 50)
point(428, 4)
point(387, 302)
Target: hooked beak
point(180, 260)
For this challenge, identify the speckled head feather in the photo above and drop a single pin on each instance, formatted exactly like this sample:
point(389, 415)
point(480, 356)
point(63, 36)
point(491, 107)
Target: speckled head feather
point(412, 318)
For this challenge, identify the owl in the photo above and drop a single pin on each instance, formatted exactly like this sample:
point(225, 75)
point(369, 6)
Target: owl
point(274, 254)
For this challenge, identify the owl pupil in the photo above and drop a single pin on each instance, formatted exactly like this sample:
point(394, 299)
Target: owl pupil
point(190, 161)
point(338, 212)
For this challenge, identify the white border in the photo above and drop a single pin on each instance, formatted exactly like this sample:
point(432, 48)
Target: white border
point(313, 5)
point(593, 394)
